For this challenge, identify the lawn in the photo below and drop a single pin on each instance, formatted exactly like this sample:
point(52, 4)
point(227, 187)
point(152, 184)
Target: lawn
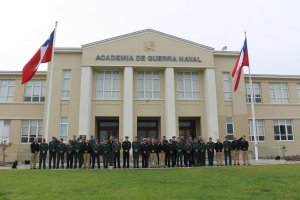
point(250, 182)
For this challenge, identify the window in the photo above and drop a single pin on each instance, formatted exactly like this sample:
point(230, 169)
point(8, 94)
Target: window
point(279, 92)
point(283, 130)
point(226, 86)
point(229, 128)
point(256, 93)
point(65, 87)
point(107, 85)
point(148, 85)
point(298, 91)
point(260, 130)
point(187, 85)
point(6, 91)
point(31, 129)
point(35, 91)
point(4, 130)
point(63, 132)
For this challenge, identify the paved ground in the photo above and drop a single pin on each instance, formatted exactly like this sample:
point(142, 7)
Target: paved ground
point(253, 162)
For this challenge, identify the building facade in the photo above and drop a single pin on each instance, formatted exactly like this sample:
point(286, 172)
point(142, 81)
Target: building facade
point(147, 84)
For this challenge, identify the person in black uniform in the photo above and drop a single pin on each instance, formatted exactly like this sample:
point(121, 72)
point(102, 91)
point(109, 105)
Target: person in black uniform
point(244, 148)
point(126, 146)
point(61, 149)
point(170, 152)
point(227, 150)
point(96, 148)
point(116, 146)
point(236, 146)
point(86, 149)
point(219, 149)
point(70, 154)
point(210, 146)
point(144, 151)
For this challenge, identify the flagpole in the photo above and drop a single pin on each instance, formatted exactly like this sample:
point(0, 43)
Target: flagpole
point(50, 87)
point(253, 112)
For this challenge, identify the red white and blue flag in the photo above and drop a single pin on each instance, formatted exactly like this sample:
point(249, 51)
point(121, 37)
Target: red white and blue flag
point(43, 55)
point(241, 62)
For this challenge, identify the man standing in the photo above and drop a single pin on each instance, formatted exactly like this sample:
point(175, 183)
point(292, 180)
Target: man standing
point(52, 152)
point(111, 154)
point(106, 150)
point(161, 148)
point(78, 154)
point(86, 148)
point(91, 142)
point(61, 148)
point(70, 153)
point(170, 152)
point(227, 150)
point(153, 161)
point(145, 151)
point(196, 150)
point(179, 152)
point(244, 147)
point(219, 148)
point(136, 146)
point(43, 153)
point(96, 148)
point(116, 146)
point(210, 152)
point(188, 153)
point(126, 146)
point(236, 146)
point(202, 152)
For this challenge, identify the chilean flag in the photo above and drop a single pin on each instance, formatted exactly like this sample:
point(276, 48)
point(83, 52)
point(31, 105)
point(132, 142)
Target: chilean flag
point(241, 62)
point(43, 55)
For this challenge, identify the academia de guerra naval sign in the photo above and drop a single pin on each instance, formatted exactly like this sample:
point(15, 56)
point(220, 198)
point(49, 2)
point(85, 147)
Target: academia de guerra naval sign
point(149, 58)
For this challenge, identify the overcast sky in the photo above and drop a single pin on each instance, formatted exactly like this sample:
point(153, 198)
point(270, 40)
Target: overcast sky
point(273, 26)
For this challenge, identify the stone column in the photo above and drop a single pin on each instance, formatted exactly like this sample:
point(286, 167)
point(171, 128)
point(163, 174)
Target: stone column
point(211, 107)
point(85, 106)
point(128, 103)
point(170, 113)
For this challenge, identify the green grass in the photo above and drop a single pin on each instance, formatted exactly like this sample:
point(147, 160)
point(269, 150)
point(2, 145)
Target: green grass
point(251, 182)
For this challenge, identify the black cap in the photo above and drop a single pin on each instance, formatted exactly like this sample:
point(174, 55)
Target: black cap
point(126, 137)
point(210, 138)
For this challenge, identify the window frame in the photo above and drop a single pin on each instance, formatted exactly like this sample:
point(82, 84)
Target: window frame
point(4, 124)
point(195, 93)
point(277, 122)
point(61, 124)
point(227, 122)
point(31, 85)
point(9, 83)
point(256, 96)
point(226, 81)
point(64, 79)
point(258, 135)
point(272, 91)
point(112, 89)
point(144, 91)
point(38, 126)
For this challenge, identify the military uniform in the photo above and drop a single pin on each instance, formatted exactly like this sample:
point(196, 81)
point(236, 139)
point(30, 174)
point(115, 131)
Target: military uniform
point(244, 147)
point(106, 147)
point(43, 154)
point(96, 148)
point(179, 153)
point(78, 155)
point(236, 146)
point(70, 154)
point(227, 151)
point(202, 153)
point(210, 146)
point(188, 154)
point(196, 155)
point(161, 148)
point(86, 149)
point(126, 146)
point(170, 154)
point(136, 146)
point(52, 152)
point(116, 146)
point(153, 149)
point(219, 149)
point(61, 149)
point(145, 152)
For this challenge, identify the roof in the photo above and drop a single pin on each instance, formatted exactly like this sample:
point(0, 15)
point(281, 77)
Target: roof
point(121, 37)
point(273, 76)
point(20, 73)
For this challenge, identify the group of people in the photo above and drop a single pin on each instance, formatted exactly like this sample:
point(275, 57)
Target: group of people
point(82, 153)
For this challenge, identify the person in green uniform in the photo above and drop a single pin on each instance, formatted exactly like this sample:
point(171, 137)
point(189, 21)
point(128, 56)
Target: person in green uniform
point(43, 153)
point(78, 154)
point(70, 154)
point(227, 150)
point(202, 152)
point(210, 152)
point(136, 147)
point(106, 150)
point(179, 151)
point(116, 146)
point(196, 150)
point(61, 149)
point(52, 152)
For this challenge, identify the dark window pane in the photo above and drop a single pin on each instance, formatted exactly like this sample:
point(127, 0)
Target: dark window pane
point(276, 130)
point(283, 137)
point(289, 130)
point(42, 99)
point(229, 129)
point(184, 124)
point(276, 137)
point(290, 137)
point(282, 129)
point(24, 140)
point(35, 99)
point(261, 138)
point(27, 99)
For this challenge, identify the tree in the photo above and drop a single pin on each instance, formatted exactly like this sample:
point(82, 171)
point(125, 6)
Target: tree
point(3, 146)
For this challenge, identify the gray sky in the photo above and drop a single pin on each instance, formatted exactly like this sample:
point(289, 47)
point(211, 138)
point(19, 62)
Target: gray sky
point(273, 26)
